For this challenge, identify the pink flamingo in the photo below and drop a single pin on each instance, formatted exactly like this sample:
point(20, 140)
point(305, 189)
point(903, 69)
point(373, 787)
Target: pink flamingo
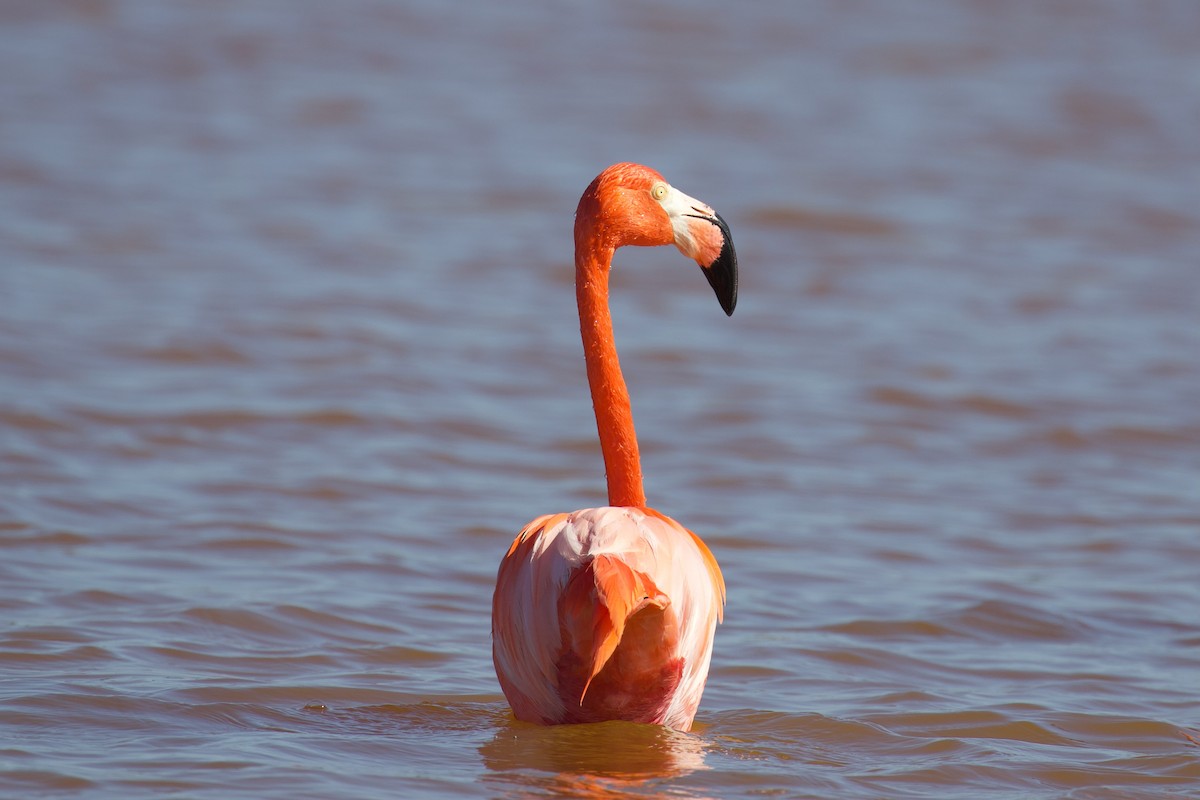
point(609, 613)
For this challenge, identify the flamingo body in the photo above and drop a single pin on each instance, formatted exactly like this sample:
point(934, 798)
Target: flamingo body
point(614, 610)
point(609, 613)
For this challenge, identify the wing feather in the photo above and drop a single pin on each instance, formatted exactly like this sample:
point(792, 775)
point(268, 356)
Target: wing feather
point(571, 581)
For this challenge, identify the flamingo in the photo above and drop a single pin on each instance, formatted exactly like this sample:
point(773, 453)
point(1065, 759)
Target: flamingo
point(609, 613)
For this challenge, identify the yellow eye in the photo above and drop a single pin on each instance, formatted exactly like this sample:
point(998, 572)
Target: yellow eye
point(659, 191)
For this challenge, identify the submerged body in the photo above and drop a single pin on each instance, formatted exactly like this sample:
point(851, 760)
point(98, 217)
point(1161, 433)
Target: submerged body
point(609, 613)
point(615, 609)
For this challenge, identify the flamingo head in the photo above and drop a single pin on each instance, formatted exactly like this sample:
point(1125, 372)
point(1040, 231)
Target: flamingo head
point(632, 204)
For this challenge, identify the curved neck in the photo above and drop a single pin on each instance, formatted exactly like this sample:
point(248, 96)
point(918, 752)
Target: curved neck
point(610, 397)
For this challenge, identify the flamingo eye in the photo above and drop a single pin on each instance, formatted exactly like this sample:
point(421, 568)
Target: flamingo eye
point(658, 191)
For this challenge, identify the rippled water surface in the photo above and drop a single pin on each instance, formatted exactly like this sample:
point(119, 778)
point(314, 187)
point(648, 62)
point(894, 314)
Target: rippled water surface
point(288, 354)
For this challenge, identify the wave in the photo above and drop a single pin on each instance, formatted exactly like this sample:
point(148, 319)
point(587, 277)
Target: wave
point(985, 404)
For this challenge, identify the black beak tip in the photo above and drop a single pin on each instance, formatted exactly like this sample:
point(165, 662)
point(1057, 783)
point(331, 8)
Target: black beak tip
point(722, 274)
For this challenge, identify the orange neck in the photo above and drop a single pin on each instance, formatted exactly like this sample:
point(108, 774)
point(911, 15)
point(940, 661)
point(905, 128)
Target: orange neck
point(610, 397)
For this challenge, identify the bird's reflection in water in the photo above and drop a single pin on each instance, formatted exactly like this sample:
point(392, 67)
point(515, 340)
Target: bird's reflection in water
point(598, 760)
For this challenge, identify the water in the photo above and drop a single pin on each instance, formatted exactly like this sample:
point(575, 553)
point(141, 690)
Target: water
point(288, 355)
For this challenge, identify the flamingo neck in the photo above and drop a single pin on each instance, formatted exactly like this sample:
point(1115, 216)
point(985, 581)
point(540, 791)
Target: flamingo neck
point(610, 396)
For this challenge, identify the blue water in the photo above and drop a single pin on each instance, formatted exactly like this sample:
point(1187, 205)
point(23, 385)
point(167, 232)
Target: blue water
point(288, 354)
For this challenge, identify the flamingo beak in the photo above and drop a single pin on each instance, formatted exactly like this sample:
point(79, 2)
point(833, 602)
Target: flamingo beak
point(701, 235)
point(722, 273)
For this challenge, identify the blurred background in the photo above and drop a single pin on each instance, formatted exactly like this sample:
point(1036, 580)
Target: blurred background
point(288, 354)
